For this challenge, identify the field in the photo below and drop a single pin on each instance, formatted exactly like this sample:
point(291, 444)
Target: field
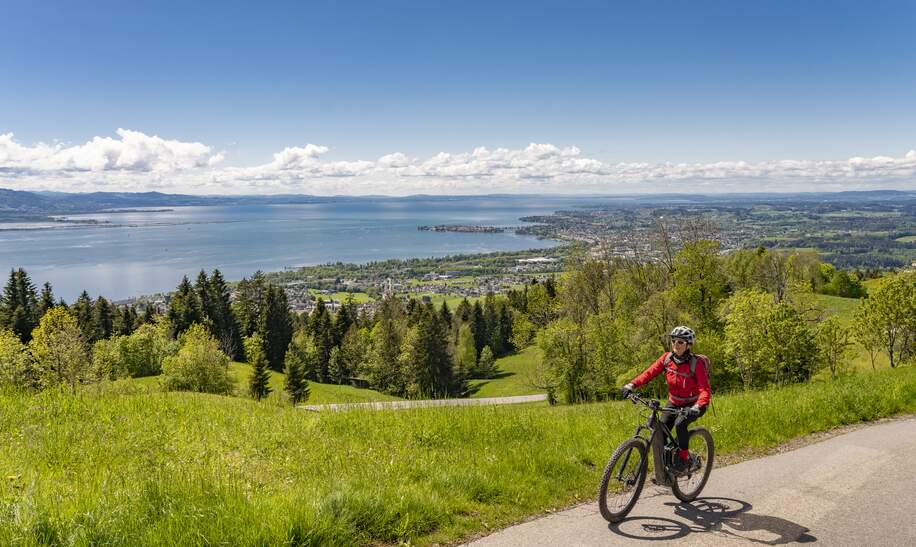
point(319, 393)
point(181, 468)
point(513, 378)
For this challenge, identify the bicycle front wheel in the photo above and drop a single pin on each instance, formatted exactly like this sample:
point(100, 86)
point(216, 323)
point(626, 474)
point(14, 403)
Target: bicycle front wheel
point(688, 486)
point(623, 480)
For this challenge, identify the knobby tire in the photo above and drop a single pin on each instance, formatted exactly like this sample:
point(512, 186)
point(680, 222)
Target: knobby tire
point(690, 490)
point(635, 448)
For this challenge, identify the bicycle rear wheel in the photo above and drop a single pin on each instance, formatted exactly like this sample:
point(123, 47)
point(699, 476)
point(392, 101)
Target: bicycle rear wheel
point(623, 480)
point(688, 486)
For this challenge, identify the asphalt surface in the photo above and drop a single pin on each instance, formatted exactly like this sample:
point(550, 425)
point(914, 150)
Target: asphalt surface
point(388, 405)
point(858, 488)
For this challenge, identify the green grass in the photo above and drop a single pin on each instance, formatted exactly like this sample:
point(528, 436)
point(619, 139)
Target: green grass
point(844, 308)
point(319, 393)
point(906, 239)
point(180, 468)
point(358, 297)
point(514, 377)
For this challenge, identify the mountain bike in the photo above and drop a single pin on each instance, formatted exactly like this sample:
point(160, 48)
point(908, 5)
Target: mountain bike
point(625, 473)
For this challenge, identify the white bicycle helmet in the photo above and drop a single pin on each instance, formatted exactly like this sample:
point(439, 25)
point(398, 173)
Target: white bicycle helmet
point(683, 332)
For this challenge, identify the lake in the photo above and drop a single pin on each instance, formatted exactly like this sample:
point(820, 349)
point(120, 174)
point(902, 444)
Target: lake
point(143, 252)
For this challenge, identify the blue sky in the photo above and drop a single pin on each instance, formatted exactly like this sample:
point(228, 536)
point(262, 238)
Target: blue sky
point(634, 82)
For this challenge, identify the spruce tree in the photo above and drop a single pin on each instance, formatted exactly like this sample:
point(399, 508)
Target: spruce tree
point(149, 314)
point(486, 368)
point(464, 311)
point(490, 319)
point(224, 324)
point(295, 384)
point(184, 309)
point(102, 320)
point(505, 330)
point(343, 320)
point(46, 300)
point(427, 357)
point(83, 310)
point(249, 303)
point(336, 367)
point(259, 381)
point(353, 349)
point(125, 320)
point(275, 327)
point(445, 315)
point(479, 327)
point(202, 289)
point(19, 305)
point(320, 326)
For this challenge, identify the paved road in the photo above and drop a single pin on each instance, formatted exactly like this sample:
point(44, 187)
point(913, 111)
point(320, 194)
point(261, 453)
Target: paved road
point(854, 489)
point(382, 405)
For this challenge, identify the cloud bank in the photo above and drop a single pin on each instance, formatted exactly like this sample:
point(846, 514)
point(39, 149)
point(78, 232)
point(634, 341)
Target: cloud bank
point(135, 161)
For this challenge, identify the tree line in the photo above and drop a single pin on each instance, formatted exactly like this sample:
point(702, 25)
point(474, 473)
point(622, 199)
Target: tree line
point(598, 324)
point(755, 313)
point(406, 348)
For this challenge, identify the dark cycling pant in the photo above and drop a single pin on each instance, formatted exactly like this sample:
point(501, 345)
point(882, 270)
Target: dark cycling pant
point(668, 419)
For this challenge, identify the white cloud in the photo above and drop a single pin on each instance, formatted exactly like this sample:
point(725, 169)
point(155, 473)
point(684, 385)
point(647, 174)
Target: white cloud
point(135, 162)
point(134, 151)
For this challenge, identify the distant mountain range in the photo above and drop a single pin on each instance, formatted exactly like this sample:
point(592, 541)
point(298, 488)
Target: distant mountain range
point(22, 205)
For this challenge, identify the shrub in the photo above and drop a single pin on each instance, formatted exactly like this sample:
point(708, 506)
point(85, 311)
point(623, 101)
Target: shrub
point(15, 362)
point(198, 366)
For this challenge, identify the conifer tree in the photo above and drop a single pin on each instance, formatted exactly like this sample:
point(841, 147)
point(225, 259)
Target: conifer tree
point(225, 326)
point(320, 327)
point(19, 305)
point(275, 327)
point(486, 368)
point(445, 315)
point(46, 300)
point(249, 303)
point(124, 320)
point(479, 327)
point(506, 320)
point(259, 381)
point(426, 358)
point(149, 314)
point(383, 370)
point(344, 319)
point(83, 311)
point(353, 349)
point(202, 289)
point(336, 367)
point(184, 309)
point(102, 320)
point(464, 312)
point(303, 347)
point(295, 384)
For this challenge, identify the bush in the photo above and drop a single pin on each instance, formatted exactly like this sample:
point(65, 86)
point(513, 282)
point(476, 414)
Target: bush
point(198, 366)
point(59, 350)
point(14, 361)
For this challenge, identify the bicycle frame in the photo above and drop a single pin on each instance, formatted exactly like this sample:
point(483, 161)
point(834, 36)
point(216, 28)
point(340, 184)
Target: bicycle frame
point(658, 433)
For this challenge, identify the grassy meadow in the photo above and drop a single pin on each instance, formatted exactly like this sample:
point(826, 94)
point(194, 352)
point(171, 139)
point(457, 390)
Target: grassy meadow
point(513, 377)
point(153, 468)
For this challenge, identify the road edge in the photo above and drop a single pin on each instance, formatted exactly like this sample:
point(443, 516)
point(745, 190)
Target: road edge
point(725, 460)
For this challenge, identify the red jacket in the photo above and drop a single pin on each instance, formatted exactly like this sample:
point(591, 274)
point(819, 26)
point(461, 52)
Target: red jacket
point(684, 389)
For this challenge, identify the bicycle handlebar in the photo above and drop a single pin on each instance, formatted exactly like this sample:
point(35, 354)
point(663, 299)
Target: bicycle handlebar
point(655, 404)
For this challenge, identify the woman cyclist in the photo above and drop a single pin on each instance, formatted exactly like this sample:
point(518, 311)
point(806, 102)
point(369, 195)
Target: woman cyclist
point(688, 386)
